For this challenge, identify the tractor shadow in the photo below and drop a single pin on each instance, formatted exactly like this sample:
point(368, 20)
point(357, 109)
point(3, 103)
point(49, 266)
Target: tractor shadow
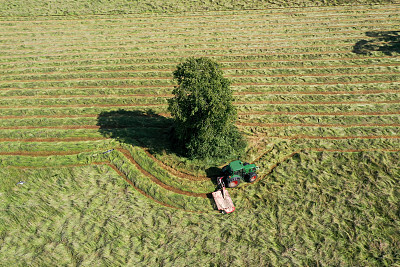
point(138, 128)
point(213, 173)
point(387, 42)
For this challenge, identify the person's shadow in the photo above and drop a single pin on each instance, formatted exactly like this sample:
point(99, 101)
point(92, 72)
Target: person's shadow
point(387, 42)
point(138, 128)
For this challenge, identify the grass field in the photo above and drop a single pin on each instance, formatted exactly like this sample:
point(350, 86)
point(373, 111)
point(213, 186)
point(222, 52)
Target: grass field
point(84, 124)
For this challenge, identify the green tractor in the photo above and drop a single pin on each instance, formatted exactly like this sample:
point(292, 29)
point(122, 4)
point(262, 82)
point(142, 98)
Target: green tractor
point(237, 171)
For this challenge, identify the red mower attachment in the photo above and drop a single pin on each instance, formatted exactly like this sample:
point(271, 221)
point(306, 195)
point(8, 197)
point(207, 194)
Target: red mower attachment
point(222, 198)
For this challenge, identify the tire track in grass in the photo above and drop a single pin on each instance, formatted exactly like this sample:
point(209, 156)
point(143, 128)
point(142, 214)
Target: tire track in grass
point(120, 173)
point(175, 172)
point(127, 154)
point(156, 180)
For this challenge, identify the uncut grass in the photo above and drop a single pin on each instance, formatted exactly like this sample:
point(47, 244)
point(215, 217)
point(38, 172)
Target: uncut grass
point(193, 31)
point(27, 8)
point(322, 208)
point(254, 18)
point(188, 26)
point(327, 199)
point(247, 15)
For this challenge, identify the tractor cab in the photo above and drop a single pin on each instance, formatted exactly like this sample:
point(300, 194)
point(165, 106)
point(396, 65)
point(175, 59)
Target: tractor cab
point(236, 171)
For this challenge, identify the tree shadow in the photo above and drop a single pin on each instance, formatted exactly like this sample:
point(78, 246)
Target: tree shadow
point(139, 128)
point(387, 42)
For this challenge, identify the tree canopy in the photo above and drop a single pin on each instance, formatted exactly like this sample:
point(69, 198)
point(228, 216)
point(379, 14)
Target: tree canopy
point(203, 112)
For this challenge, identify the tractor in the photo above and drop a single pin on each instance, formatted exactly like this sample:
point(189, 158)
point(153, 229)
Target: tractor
point(237, 171)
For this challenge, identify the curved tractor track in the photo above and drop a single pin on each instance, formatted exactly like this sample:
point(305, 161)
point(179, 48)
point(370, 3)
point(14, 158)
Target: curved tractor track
point(62, 73)
point(129, 157)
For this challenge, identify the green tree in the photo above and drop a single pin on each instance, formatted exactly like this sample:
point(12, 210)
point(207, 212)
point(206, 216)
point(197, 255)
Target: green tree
point(203, 112)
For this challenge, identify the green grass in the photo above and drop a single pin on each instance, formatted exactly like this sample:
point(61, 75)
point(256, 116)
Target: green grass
point(322, 120)
point(321, 209)
point(40, 8)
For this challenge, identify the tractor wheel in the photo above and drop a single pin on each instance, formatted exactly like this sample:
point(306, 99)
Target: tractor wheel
point(233, 182)
point(246, 163)
point(252, 177)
